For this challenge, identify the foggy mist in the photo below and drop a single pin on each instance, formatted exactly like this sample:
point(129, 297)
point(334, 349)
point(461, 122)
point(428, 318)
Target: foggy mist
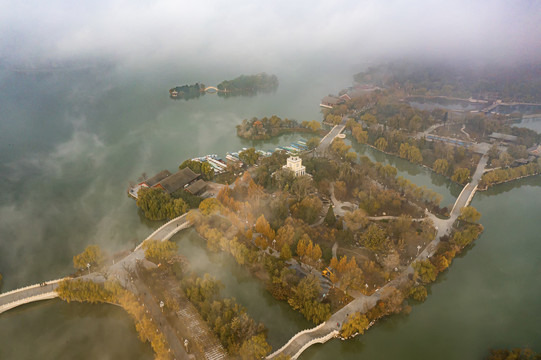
point(270, 33)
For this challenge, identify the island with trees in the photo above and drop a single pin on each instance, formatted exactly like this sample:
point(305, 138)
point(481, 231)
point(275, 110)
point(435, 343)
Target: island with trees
point(187, 92)
point(249, 84)
point(243, 85)
point(268, 127)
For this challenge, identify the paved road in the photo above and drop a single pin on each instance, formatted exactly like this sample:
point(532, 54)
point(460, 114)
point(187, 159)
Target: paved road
point(177, 349)
point(468, 190)
point(327, 139)
point(16, 298)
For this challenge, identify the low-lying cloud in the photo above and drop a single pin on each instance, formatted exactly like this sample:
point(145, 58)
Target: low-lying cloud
point(274, 33)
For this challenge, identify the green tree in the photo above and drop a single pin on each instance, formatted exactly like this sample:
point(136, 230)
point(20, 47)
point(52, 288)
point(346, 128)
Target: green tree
point(339, 147)
point(469, 214)
point(160, 251)
point(314, 125)
point(425, 271)
point(374, 238)
point(418, 293)
point(465, 237)
point(303, 299)
point(312, 143)
point(369, 119)
point(493, 152)
point(360, 135)
point(415, 123)
point(198, 167)
point(308, 209)
point(355, 324)
point(505, 159)
point(461, 176)
point(410, 152)
point(285, 252)
point(381, 144)
point(340, 190)
point(249, 156)
point(209, 206)
point(330, 218)
point(441, 166)
point(92, 255)
point(285, 235)
point(254, 348)
point(156, 204)
point(351, 157)
point(262, 226)
point(303, 245)
point(356, 219)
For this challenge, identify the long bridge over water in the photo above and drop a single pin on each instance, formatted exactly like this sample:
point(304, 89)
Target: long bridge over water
point(47, 290)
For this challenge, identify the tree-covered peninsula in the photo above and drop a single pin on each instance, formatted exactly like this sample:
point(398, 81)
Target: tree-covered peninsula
point(265, 128)
point(187, 92)
point(250, 84)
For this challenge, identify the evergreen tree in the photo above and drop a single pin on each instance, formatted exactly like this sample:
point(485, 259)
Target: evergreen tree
point(330, 218)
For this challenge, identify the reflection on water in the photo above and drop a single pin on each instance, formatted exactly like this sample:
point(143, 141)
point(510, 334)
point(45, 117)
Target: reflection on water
point(442, 103)
point(533, 123)
point(417, 174)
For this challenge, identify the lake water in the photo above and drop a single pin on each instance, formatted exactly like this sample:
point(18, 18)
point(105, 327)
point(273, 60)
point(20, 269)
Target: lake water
point(71, 142)
point(430, 104)
point(533, 123)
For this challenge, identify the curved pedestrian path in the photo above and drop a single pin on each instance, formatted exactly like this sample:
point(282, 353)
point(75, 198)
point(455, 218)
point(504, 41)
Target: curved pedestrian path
point(119, 270)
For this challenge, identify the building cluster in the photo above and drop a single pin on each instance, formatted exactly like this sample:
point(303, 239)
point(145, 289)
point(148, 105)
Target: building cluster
point(183, 179)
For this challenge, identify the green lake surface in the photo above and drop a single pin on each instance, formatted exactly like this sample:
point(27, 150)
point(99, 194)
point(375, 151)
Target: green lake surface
point(70, 143)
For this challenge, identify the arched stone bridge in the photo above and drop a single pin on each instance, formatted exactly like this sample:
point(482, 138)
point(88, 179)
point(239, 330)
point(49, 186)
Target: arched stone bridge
point(213, 88)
